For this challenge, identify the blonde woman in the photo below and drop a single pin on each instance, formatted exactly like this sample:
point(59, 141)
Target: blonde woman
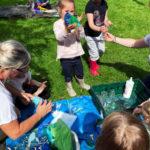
point(13, 57)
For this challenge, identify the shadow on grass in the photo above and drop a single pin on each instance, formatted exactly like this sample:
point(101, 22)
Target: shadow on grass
point(129, 70)
point(139, 2)
point(37, 36)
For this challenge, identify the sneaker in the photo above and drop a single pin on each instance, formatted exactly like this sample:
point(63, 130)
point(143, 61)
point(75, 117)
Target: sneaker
point(83, 85)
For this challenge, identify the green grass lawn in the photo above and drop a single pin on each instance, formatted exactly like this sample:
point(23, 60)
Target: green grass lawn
point(130, 18)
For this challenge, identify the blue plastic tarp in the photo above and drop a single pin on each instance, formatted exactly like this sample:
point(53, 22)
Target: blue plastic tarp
point(85, 125)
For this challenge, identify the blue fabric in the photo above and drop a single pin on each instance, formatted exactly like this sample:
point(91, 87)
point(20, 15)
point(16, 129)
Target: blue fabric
point(85, 125)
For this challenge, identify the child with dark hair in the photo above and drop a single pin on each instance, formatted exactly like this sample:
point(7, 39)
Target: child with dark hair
point(96, 24)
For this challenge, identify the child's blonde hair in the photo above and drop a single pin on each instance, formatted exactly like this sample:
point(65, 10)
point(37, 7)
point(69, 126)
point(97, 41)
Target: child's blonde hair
point(122, 131)
point(13, 55)
point(61, 4)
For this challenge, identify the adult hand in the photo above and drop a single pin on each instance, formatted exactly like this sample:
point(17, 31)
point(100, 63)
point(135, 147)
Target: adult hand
point(43, 108)
point(109, 37)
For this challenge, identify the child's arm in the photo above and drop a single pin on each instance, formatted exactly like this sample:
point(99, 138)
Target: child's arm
point(41, 85)
point(41, 88)
point(93, 26)
point(81, 16)
point(60, 34)
point(107, 22)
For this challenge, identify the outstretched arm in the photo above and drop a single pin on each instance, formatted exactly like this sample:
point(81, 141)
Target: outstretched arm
point(134, 43)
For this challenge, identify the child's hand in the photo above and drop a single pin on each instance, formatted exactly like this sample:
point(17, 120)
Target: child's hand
point(103, 29)
point(71, 26)
point(41, 88)
point(43, 83)
point(26, 97)
point(107, 23)
point(81, 16)
point(137, 110)
point(109, 37)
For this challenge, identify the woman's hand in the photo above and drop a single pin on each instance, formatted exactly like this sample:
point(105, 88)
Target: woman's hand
point(43, 108)
point(109, 37)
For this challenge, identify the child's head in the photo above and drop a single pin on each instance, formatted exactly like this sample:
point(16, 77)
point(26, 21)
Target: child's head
point(122, 131)
point(65, 6)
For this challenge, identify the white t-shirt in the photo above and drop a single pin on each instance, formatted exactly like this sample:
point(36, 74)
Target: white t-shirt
point(147, 39)
point(18, 82)
point(7, 108)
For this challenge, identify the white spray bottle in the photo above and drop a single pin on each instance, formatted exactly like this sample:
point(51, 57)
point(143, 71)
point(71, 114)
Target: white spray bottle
point(128, 88)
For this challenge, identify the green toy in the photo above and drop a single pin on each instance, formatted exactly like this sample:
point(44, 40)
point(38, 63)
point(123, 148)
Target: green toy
point(59, 135)
point(70, 20)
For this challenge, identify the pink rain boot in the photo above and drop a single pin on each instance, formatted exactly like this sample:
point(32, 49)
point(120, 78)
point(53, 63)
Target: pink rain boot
point(93, 68)
point(96, 65)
